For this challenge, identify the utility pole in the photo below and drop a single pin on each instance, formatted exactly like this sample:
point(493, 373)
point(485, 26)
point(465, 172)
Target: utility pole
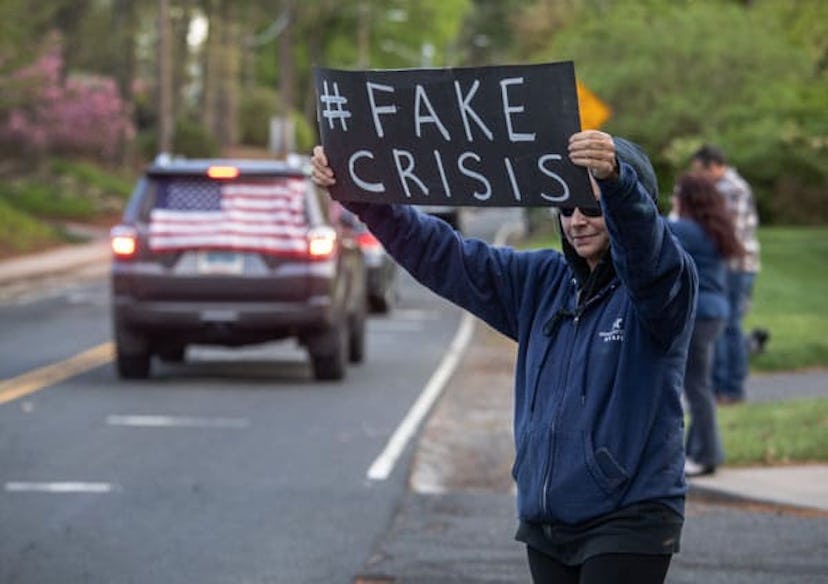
point(165, 101)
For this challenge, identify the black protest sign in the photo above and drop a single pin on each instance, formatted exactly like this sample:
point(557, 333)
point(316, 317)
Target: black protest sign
point(486, 136)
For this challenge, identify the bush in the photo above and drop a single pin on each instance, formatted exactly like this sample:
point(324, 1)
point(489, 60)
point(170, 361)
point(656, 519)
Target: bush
point(147, 144)
point(50, 200)
point(44, 114)
point(66, 189)
point(257, 107)
point(192, 140)
point(305, 133)
point(94, 177)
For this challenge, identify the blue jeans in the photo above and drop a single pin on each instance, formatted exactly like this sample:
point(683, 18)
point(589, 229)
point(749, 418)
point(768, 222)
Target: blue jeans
point(730, 367)
point(704, 446)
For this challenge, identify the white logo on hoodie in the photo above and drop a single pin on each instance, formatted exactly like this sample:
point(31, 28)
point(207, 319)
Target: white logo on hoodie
point(614, 334)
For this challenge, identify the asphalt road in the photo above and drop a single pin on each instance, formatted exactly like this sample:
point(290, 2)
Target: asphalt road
point(233, 467)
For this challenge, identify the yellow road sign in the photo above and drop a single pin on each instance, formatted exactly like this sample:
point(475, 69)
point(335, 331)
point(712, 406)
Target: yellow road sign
point(594, 112)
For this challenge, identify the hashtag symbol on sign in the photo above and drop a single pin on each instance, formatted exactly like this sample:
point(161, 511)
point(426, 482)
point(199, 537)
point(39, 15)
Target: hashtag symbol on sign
point(333, 106)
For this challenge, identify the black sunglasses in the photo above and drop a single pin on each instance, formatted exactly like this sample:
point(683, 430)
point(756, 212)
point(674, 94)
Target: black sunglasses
point(587, 211)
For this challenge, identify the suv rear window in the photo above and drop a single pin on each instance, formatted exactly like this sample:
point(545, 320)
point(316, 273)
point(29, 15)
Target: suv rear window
point(264, 215)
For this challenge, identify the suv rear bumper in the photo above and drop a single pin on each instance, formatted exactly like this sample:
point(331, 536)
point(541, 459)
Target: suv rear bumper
point(280, 318)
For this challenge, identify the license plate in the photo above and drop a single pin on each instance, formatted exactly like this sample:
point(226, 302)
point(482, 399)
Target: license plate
point(219, 315)
point(220, 262)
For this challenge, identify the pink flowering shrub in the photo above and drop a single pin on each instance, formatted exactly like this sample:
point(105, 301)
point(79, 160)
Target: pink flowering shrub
point(42, 113)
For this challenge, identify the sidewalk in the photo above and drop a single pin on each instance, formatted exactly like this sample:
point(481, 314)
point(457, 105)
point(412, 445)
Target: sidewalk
point(48, 269)
point(61, 260)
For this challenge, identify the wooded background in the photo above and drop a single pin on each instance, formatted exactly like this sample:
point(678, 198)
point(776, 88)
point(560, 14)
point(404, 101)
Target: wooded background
point(118, 80)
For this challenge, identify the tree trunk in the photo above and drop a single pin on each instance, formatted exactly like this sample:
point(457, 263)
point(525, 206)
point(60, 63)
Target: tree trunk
point(124, 32)
point(165, 103)
point(180, 26)
point(287, 75)
point(222, 76)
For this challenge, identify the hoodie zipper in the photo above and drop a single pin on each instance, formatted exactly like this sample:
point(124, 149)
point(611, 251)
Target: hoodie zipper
point(575, 321)
point(548, 476)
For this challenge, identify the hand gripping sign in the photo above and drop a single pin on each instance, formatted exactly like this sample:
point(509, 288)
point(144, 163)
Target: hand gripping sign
point(486, 136)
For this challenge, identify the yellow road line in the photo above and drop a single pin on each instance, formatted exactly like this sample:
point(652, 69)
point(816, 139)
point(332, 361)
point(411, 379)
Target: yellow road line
point(37, 379)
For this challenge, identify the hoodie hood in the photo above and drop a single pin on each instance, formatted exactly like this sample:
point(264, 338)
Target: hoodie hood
point(592, 281)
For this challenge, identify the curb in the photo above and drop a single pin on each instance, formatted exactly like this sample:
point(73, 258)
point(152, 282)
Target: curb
point(713, 495)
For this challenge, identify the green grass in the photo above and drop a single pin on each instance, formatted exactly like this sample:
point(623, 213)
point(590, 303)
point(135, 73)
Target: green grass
point(33, 206)
point(20, 232)
point(49, 200)
point(93, 177)
point(791, 431)
point(788, 296)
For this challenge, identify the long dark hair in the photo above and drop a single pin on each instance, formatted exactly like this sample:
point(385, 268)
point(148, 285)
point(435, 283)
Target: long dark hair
point(700, 201)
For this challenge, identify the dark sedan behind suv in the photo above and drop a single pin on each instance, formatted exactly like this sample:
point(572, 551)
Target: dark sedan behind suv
point(234, 252)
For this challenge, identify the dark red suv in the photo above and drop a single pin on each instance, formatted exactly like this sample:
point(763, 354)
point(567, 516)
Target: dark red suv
point(234, 252)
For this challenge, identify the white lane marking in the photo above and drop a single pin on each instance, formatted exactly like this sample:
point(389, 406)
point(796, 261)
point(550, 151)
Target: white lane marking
point(60, 487)
point(389, 326)
point(384, 464)
point(414, 314)
point(381, 468)
point(141, 421)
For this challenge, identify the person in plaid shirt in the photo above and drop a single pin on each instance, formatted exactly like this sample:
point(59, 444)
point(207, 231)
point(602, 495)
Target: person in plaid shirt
point(730, 364)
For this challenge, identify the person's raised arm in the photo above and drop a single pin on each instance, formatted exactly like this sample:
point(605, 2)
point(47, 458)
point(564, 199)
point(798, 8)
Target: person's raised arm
point(486, 280)
point(658, 274)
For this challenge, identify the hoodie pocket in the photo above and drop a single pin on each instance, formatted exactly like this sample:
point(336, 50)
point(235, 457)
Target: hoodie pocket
point(530, 468)
point(604, 468)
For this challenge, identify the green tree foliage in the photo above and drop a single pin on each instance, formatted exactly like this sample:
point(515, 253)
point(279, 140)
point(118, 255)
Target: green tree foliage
point(23, 23)
point(678, 74)
point(353, 34)
point(488, 32)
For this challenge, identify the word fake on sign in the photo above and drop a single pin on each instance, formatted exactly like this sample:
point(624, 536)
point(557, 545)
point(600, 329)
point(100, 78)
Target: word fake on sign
point(489, 136)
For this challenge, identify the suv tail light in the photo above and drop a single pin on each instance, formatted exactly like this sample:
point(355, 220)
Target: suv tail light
point(321, 243)
point(367, 241)
point(124, 241)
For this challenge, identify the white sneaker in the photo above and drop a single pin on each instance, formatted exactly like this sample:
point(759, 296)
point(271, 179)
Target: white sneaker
point(694, 469)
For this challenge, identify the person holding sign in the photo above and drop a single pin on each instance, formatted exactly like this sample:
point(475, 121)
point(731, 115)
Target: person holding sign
point(603, 331)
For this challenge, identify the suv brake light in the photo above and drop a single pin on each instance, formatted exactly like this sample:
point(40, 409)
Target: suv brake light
point(321, 243)
point(124, 241)
point(222, 172)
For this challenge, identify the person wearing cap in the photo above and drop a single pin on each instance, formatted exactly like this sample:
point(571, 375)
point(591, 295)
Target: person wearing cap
point(603, 331)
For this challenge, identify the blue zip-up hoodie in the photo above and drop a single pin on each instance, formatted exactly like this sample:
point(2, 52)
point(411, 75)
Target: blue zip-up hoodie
point(598, 419)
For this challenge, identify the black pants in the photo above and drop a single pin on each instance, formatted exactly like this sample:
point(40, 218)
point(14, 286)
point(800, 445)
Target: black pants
point(603, 569)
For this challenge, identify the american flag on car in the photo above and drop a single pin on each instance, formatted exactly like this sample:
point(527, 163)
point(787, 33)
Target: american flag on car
point(265, 216)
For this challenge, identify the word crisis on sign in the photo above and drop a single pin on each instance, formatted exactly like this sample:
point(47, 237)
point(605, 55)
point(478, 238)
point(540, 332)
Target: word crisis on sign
point(486, 136)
